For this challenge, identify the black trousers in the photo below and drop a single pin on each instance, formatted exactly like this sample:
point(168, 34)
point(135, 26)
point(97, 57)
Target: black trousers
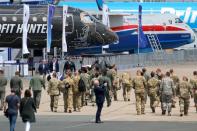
point(98, 113)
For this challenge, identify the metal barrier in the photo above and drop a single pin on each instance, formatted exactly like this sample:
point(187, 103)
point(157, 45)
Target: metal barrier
point(133, 60)
point(145, 59)
point(10, 67)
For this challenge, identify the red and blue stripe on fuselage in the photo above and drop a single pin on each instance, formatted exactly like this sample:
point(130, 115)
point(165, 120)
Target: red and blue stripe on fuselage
point(169, 37)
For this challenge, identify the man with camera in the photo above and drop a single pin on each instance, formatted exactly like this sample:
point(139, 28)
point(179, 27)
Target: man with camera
point(100, 98)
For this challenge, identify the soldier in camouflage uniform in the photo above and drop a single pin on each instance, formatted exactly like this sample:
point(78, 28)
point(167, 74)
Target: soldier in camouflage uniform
point(147, 77)
point(36, 83)
point(167, 92)
point(116, 86)
point(68, 97)
point(111, 73)
point(152, 88)
point(193, 82)
point(54, 92)
point(86, 78)
point(95, 77)
point(3, 83)
point(158, 74)
point(175, 79)
point(139, 84)
point(104, 80)
point(16, 84)
point(184, 91)
point(126, 85)
point(76, 93)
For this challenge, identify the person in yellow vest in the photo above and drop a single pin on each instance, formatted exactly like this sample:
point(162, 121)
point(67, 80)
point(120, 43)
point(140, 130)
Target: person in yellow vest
point(68, 83)
point(139, 85)
point(126, 85)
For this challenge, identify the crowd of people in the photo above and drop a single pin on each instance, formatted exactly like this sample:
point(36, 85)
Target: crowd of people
point(94, 85)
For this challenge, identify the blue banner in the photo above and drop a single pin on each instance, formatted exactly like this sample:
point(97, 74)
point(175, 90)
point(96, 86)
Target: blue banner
point(142, 40)
point(51, 10)
point(9, 54)
point(100, 4)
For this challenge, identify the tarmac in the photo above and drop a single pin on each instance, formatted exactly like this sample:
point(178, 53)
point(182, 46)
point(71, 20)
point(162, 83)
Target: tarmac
point(121, 116)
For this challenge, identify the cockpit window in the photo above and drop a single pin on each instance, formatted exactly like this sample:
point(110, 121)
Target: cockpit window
point(86, 18)
point(177, 20)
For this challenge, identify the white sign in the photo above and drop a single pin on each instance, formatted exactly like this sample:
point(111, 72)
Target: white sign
point(4, 0)
point(18, 28)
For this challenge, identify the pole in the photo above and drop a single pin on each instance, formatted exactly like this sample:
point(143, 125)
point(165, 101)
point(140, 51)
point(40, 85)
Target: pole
point(44, 53)
point(138, 49)
point(62, 55)
point(22, 63)
point(55, 51)
point(9, 54)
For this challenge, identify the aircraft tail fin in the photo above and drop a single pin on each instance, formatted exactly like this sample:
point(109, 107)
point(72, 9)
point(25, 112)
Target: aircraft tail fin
point(100, 4)
point(143, 43)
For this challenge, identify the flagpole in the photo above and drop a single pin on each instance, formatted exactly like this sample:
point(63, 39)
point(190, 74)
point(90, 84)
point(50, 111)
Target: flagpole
point(64, 43)
point(44, 49)
point(63, 29)
point(138, 49)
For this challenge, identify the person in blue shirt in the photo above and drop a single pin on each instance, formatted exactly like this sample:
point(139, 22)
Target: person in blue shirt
point(12, 103)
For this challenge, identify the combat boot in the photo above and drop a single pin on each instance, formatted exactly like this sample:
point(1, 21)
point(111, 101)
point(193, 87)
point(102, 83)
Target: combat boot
point(52, 109)
point(181, 113)
point(55, 110)
point(169, 113)
point(125, 99)
point(153, 110)
point(163, 112)
point(185, 113)
point(109, 104)
point(138, 113)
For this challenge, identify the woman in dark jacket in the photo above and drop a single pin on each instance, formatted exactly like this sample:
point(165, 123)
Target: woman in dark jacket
point(27, 109)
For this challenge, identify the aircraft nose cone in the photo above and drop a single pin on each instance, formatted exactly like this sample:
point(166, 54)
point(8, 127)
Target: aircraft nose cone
point(111, 37)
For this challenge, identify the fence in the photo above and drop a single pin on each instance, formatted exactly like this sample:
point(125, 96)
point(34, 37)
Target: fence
point(11, 67)
point(145, 59)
